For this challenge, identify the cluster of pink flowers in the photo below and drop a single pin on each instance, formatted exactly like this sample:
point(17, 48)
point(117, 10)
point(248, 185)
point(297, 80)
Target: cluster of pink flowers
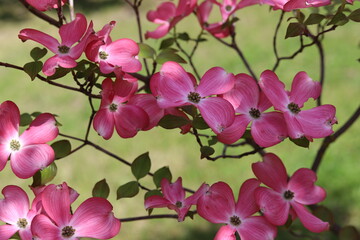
point(282, 199)
point(50, 217)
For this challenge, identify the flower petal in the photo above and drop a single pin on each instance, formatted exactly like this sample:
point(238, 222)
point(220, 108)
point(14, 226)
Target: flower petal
point(294, 127)
point(174, 192)
point(309, 221)
point(9, 121)
point(44, 39)
point(303, 88)
point(30, 159)
point(271, 171)
point(104, 123)
point(246, 205)
point(235, 131)
point(54, 62)
point(274, 89)
point(15, 205)
point(225, 233)
point(217, 113)
point(94, 218)
point(7, 231)
point(215, 81)
point(156, 202)
point(256, 228)
point(129, 119)
point(71, 32)
point(44, 228)
point(42, 130)
point(302, 184)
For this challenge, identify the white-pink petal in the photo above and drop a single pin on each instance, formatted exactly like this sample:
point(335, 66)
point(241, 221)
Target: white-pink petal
point(48, 41)
point(15, 205)
point(215, 81)
point(225, 233)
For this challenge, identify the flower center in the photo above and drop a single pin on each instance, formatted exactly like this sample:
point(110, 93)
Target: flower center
point(194, 97)
point(22, 223)
point(63, 49)
point(103, 55)
point(288, 195)
point(254, 113)
point(228, 8)
point(15, 145)
point(235, 220)
point(294, 108)
point(113, 107)
point(67, 232)
point(178, 204)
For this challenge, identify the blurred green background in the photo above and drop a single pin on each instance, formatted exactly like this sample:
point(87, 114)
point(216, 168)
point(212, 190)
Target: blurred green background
point(338, 174)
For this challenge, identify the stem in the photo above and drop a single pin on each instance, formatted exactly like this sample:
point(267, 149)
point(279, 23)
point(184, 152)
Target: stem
point(275, 36)
point(330, 139)
point(71, 8)
point(322, 67)
point(148, 217)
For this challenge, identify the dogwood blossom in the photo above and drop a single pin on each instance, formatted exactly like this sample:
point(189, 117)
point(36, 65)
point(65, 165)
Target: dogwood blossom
point(45, 5)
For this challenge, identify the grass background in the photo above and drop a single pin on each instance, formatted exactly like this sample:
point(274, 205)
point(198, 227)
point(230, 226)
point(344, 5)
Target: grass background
point(338, 174)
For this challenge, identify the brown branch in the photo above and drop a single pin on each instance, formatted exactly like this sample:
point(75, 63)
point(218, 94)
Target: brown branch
point(148, 217)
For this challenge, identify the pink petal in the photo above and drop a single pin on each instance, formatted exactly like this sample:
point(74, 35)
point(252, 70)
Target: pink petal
point(296, 4)
point(72, 32)
point(264, 102)
point(149, 104)
point(54, 62)
point(273, 206)
point(156, 202)
point(76, 51)
point(215, 81)
point(15, 205)
point(185, 7)
point(30, 159)
point(159, 32)
point(124, 90)
point(44, 228)
point(7, 231)
point(317, 122)
point(244, 95)
point(106, 67)
point(174, 192)
point(56, 202)
point(192, 200)
point(274, 89)
point(4, 155)
point(235, 131)
point(269, 129)
point(225, 233)
point(44, 39)
point(26, 234)
point(271, 171)
point(295, 129)
point(302, 183)
point(94, 218)
point(42, 130)
point(104, 123)
point(303, 88)
point(246, 205)
point(217, 113)
point(9, 121)
point(129, 119)
point(256, 228)
point(245, 3)
point(309, 221)
point(92, 49)
point(164, 11)
point(219, 196)
point(107, 93)
point(203, 12)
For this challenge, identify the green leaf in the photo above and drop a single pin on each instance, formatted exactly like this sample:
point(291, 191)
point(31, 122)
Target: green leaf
point(339, 19)
point(212, 141)
point(172, 121)
point(301, 142)
point(33, 68)
point(314, 18)
point(190, 109)
point(355, 15)
point(35, 114)
point(25, 119)
point(166, 55)
point(349, 233)
point(183, 36)
point(300, 16)
point(294, 30)
point(44, 176)
point(101, 189)
point(168, 42)
point(61, 148)
point(59, 73)
point(146, 51)
point(199, 123)
point(206, 151)
point(152, 193)
point(161, 173)
point(37, 53)
point(128, 190)
point(141, 166)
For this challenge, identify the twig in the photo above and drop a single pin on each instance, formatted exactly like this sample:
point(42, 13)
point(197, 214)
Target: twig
point(148, 217)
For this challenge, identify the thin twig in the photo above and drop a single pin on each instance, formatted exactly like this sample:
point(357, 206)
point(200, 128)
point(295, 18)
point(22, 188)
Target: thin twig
point(148, 217)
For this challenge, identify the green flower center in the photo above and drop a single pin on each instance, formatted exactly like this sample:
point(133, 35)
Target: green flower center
point(22, 223)
point(228, 8)
point(178, 204)
point(113, 107)
point(63, 49)
point(15, 145)
point(103, 55)
point(294, 108)
point(235, 220)
point(288, 195)
point(194, 97)
point(67, 232)
point(254, 113)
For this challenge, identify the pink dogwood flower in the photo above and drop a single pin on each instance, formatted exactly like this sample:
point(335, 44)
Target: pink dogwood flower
point(45, 5)
point(175, 87)
point(74, 38)
point(168, 15)
point(312, 123)
point(28, 152)
point(289, 5)
point(16, 213)
point(128, 119)
point(93, 218)
point(113, 56)
point(218, 205)
point(174, 198)
point(299, 190)
point(267, 129)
